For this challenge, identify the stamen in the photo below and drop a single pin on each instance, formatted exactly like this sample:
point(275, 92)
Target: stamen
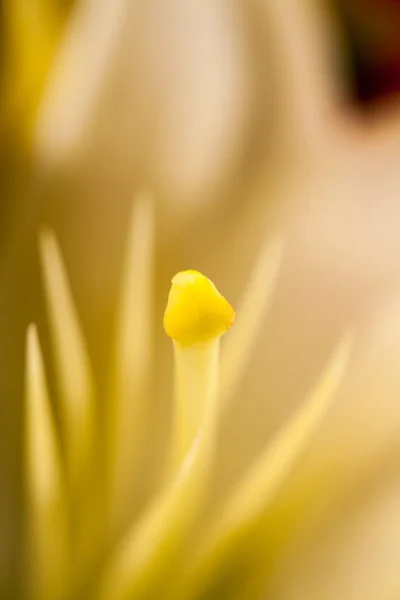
point(196, 312)
point(253, 310)
point(196, 317)
point(132, 363)
point(140, 567)
point(71, 361)
point(47, 512)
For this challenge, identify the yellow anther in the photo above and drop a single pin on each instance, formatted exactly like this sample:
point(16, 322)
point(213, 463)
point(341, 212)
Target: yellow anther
point(196, 311)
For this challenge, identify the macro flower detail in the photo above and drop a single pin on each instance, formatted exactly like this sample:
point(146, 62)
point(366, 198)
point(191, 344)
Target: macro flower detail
point(81, 539)
point(196, 311)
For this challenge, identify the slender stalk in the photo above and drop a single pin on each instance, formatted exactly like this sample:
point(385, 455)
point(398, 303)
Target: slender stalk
point(131, 376)
point(196, 381)
point(253, 311)
point(195, 318)
point(47, 511)
point(71, 361)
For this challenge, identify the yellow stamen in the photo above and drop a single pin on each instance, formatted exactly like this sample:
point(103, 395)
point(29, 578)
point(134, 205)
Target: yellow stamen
point(71, 361)
point(197, 315)
point(196, 390)
point(47, 512)
point(77, 402)
point(132, 364)
point(253, 310)
point(196, 311)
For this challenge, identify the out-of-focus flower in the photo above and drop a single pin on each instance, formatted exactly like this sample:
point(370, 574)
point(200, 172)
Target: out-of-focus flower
point(236, 115)
point(80, 484)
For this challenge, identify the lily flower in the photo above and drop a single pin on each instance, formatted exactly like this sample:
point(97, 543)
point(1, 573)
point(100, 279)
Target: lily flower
point(239, 118)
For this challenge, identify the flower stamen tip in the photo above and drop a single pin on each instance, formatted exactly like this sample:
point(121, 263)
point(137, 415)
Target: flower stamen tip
point(196, 311)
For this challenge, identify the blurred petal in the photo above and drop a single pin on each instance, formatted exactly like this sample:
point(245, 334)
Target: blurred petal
point(198, 114)
point(31, 33)
point(301, 67)
point(82, 64)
